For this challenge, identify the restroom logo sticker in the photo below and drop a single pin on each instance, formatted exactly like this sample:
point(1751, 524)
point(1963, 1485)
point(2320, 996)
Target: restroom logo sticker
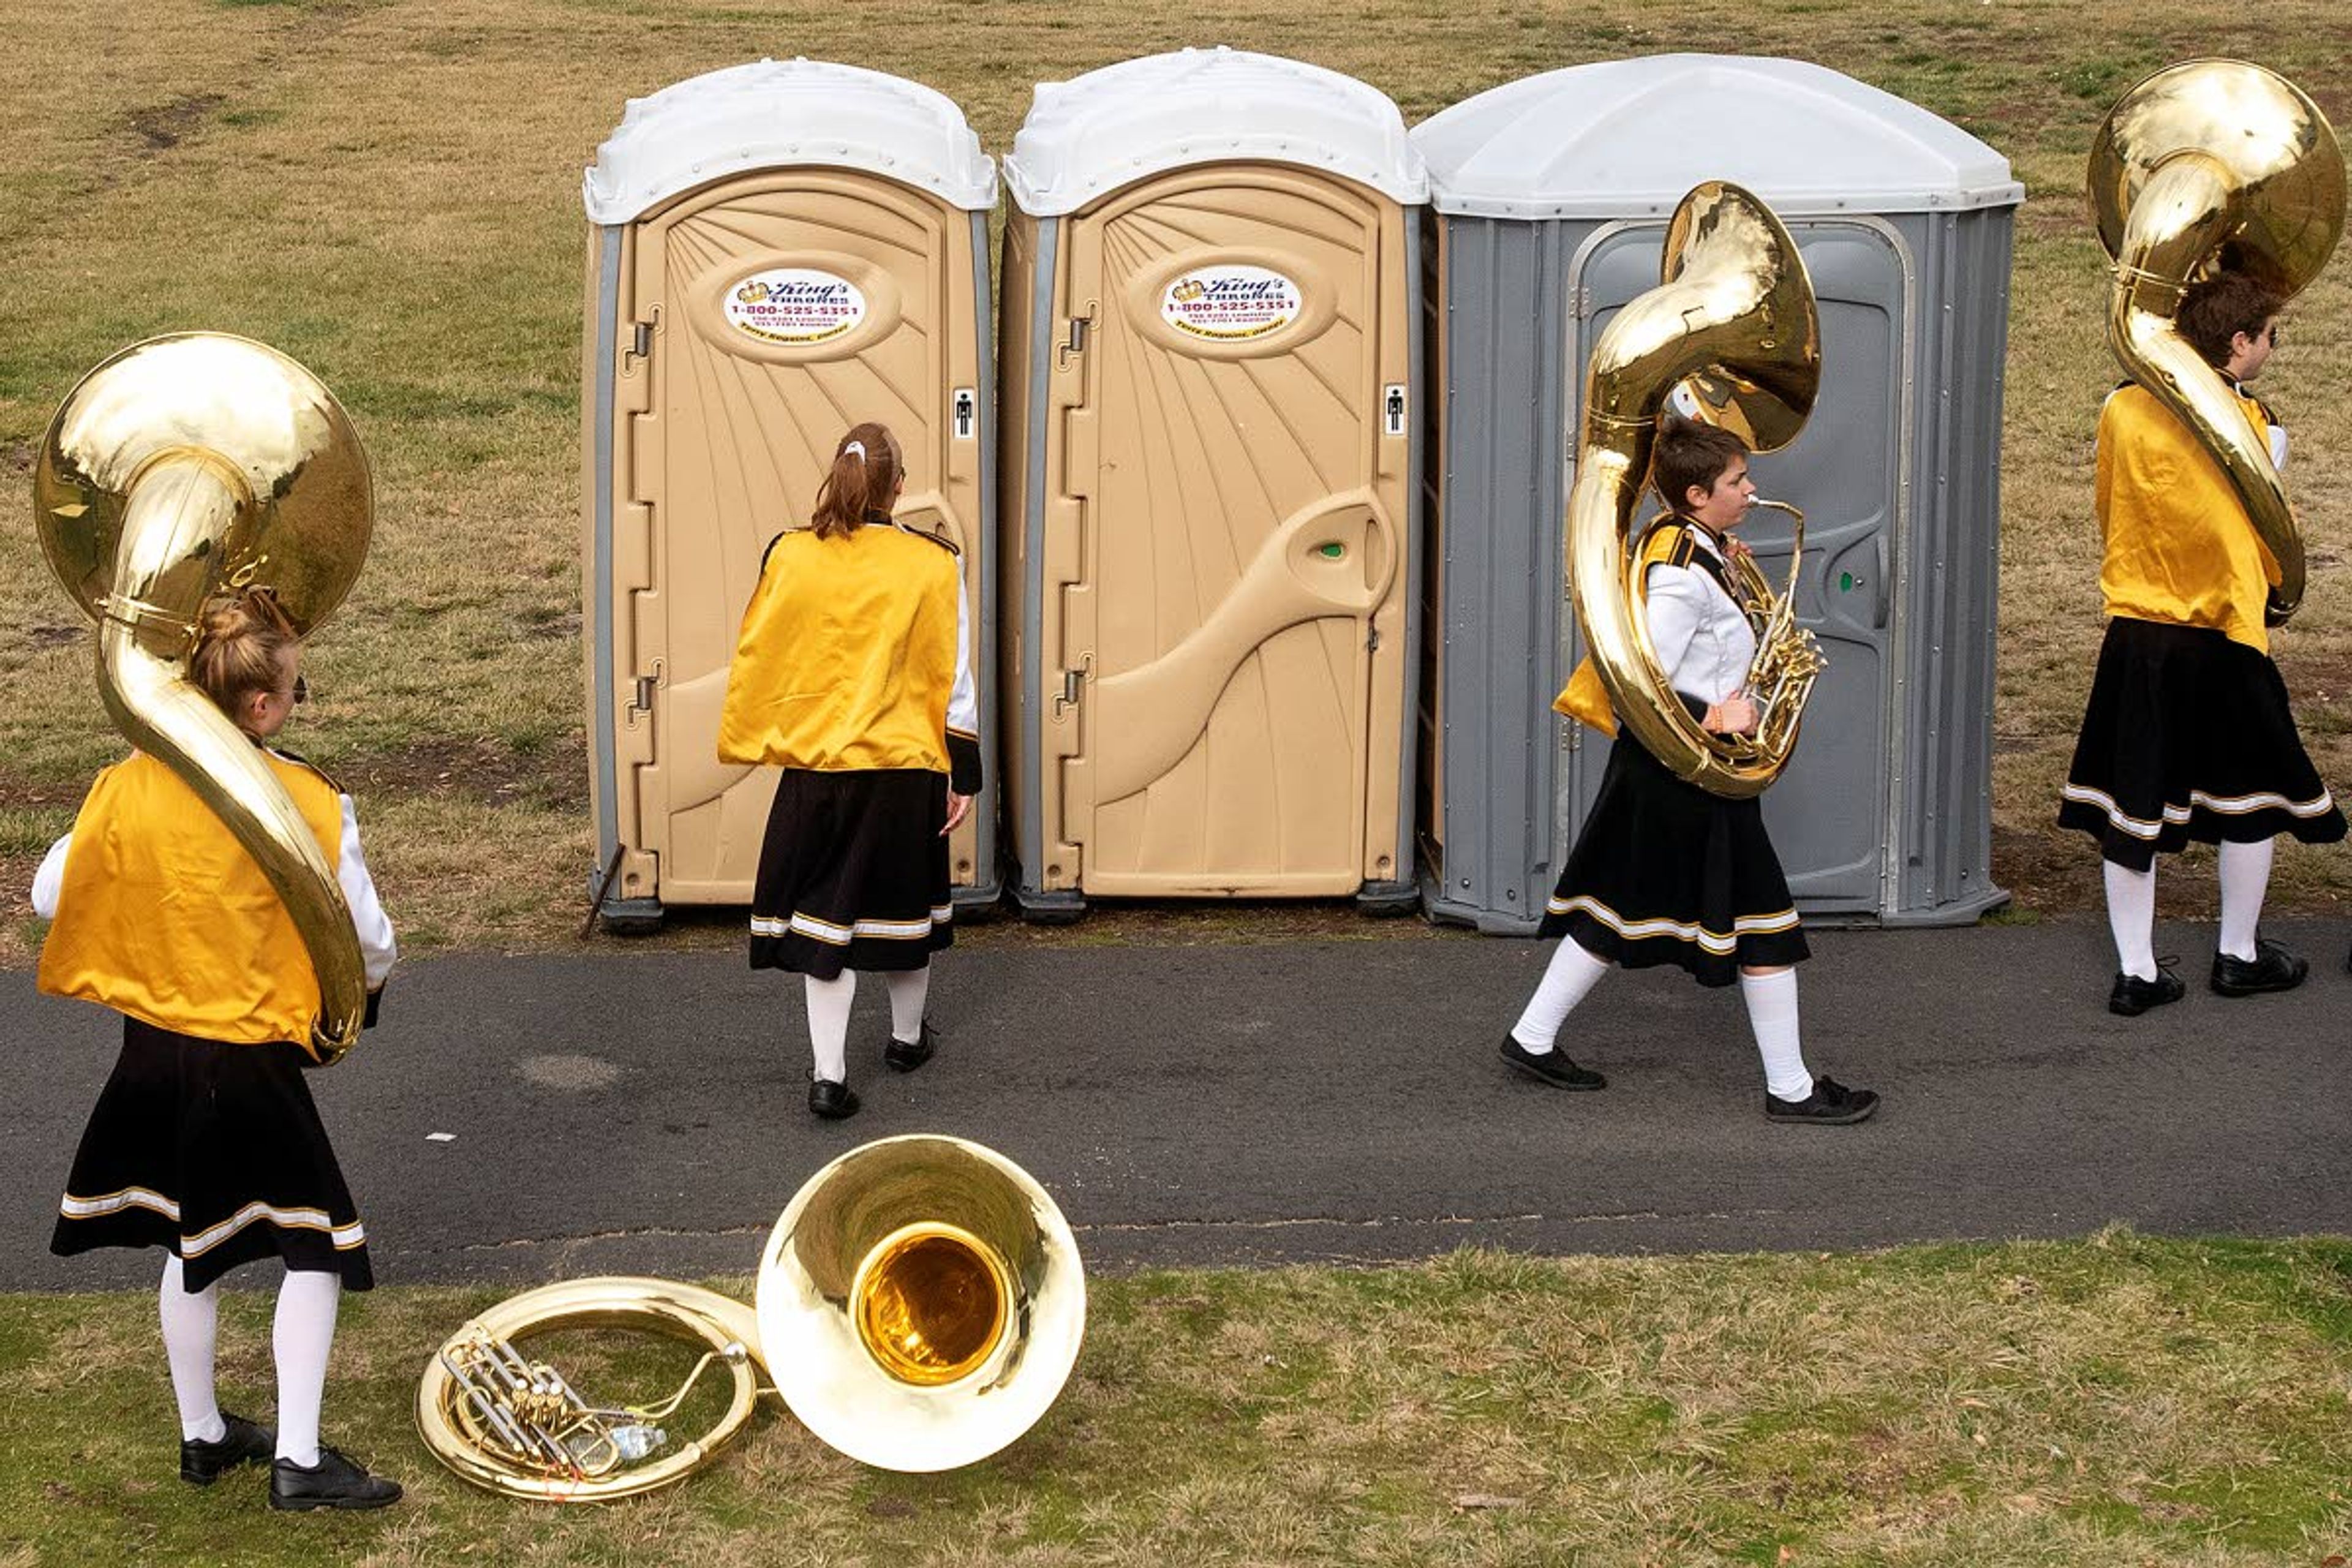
point(796, 306)
point(1230, 304)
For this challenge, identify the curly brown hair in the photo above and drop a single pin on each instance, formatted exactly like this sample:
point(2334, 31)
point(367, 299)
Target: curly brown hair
point(2214, 311)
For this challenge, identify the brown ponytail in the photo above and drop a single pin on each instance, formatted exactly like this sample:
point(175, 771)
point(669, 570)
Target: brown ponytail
point(238, 647)
point(864, 479)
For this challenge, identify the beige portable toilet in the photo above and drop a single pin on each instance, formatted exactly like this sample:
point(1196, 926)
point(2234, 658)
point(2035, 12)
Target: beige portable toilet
point(1210, 326)
point(778, 251)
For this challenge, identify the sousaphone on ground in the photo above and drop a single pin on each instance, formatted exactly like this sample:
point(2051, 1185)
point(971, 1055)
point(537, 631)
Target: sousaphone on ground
point(920, 1305)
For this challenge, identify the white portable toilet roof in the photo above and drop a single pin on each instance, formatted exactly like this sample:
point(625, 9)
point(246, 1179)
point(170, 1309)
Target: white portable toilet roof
point(1626, 137)
point(781, 112)
point(1112, 127)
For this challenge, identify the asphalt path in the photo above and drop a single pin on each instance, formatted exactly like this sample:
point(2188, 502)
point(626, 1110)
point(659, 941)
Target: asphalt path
point(525, 1119)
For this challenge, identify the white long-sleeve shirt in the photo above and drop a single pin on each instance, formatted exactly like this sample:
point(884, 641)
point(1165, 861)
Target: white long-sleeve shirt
point(378, 950)
point(963, 698)
point(1703, 640)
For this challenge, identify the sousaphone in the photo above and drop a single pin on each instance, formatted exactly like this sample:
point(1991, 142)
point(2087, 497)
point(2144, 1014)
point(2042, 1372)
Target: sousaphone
point(183, 467)
point(1733, 326)
point(920, 1305)
point(2205, 165)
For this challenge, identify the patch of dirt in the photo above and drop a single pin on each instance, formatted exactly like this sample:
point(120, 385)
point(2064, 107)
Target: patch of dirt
point(162, 126)
point(2315, 677)
point(18, 456)
point(2047, 873)
point(481, 771)
point(2053, 214)
point(15, 790)
point(1132, 923)
point(552, 626)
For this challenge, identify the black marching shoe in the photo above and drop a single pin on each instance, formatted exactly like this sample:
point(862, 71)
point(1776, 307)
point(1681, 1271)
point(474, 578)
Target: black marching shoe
point(1551, 1067)
point(244, 1443)
point(335, 1482)
point(1830, 1104)
point(2272, 968)
point(906, 1056)
point(833, 1101)
point(2132, 995)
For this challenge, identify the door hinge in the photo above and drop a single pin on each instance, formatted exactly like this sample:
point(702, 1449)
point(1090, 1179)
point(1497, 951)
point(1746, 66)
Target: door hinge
point(1072, 686)
point(641, 339)
point(646, 687)
point(1081, 329)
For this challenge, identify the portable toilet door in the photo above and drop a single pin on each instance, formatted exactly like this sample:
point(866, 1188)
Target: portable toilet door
point(780, 250)
point(1215, 481)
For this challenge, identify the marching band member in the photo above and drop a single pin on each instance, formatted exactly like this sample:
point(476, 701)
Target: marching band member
point(2188, 734)
point(205, 1142)
point(1665, 872)
point(851, 675)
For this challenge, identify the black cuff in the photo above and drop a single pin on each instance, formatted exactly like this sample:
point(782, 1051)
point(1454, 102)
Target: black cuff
point(1697, 707)
point(963, 763)
point(375, 1003)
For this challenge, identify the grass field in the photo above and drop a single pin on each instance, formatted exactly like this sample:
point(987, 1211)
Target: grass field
point(2124, 1402)
point(387, 189)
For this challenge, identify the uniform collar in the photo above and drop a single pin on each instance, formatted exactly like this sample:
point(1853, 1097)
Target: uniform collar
point(1706, 538)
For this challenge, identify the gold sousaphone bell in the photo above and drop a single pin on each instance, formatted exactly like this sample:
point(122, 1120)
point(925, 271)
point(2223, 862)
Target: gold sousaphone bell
point(918, 1306)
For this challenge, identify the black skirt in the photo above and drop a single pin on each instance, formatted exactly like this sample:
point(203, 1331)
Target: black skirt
point(1666, 873)
point(216, 1152)
point(2189, 736)
point(854, 873)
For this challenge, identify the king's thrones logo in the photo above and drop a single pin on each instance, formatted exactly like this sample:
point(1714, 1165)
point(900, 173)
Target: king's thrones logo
point(796, 306)
point(1230, 304)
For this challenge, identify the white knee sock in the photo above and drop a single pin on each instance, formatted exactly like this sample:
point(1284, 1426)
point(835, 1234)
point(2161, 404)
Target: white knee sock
point(1572, 974)
point(1772, 1013)
point(304, 1334)
point(191, 1329)
point(2131, 916)
point(828, 1014)
point(910, 990)
point(2245, 878)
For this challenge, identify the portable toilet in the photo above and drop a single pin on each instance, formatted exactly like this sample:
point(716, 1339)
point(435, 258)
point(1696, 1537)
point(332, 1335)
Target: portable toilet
point(1210, 326)
point(777, 251)
point(1552, 195)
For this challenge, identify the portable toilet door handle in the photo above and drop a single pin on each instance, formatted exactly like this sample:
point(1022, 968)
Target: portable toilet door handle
point(1158, 710)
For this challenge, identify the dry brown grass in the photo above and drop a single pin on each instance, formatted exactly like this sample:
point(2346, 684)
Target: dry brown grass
point(387, 189)
point(2124, 1402)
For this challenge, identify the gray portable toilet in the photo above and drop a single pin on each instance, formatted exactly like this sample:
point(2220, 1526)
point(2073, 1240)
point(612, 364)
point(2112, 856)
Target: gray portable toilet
point(1552, 195)
point(1210, 333)
point(776, 251)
